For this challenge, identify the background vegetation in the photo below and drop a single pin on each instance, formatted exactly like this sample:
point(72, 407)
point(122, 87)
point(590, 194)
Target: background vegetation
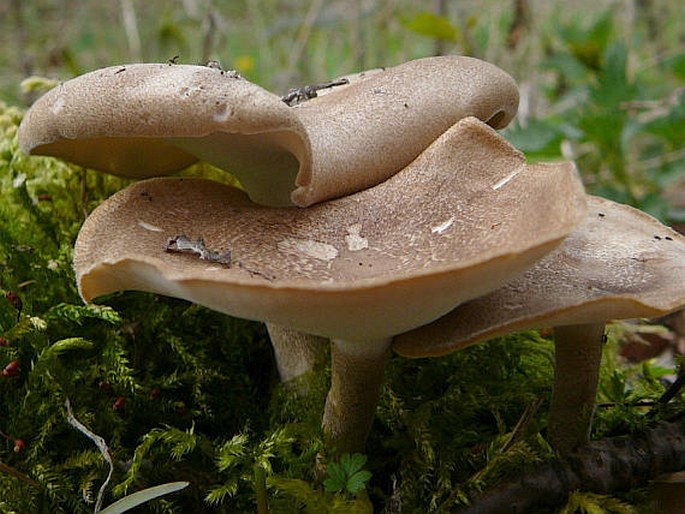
point(182, 393)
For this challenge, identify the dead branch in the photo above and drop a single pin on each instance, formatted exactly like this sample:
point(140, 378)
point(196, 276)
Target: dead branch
point(605, 466)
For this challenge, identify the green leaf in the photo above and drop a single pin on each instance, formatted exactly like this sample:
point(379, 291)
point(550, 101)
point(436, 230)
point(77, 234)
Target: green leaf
point(615, 387)
point(538, 136)
point(133, 500)
point(353, 463)
point(217, 494)
point(677, 65)
point(231, 453)
point(357, 482)
point(347, 476)
point(587, 44)
point(69, 344)
point(337, 479)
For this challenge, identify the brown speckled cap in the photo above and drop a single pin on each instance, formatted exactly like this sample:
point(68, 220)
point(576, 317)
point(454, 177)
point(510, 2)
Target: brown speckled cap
point(619, 264)
point(143, 120)
point(461, 220)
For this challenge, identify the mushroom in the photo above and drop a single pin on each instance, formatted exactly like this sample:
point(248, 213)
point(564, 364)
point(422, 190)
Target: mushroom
point(295, 352)
point(620, 264)
point(142, 120)
point(136, 120)
point(459, 221)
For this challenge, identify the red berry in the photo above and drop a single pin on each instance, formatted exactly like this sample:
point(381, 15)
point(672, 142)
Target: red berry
point(119, 403)
point(14, 299)
point(19, 445)
point(13, 369)
point(45, 197)
point(4, 342)
point(154, 393)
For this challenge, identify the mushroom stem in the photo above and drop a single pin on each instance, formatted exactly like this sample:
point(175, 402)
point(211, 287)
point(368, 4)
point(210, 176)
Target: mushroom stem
point(357, 373)
point(578, 354)
point(295, 352)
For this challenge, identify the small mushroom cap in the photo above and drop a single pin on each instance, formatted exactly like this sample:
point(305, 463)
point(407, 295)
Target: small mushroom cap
point(144, 120)
point(136, 120)
point(619, 264)
point(458, 222)
point(363, 133)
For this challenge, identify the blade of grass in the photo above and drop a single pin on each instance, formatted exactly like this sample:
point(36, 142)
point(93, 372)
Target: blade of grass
point(140, 497)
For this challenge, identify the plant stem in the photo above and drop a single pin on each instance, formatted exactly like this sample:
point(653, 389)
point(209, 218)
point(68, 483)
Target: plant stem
point(260, 490)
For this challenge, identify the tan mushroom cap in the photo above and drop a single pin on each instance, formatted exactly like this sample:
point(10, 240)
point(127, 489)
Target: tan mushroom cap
point(619, 264)
point(392, 116)
point(456, 223)
point(144, 120)
point(128, 120)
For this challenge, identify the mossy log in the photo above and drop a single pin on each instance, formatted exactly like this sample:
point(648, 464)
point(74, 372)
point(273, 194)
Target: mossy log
point(604, 466)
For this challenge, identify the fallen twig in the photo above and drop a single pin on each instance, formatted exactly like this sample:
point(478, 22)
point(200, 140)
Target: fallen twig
point(9, 470)
point(605, 466)
point(522, 424)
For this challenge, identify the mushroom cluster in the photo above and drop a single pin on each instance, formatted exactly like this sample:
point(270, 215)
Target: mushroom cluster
point(379, 210)
point(358, 269)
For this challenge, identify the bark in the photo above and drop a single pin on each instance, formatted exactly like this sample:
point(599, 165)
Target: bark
point(605, 466)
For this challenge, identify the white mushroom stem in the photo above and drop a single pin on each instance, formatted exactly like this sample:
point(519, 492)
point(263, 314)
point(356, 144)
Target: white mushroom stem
point(296, 352)
point(357, 374)
point(578, 354)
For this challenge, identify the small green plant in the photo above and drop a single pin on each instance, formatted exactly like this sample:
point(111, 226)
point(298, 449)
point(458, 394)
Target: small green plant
point(243, 460)
point(344, 491)
point(589, 503)
point(348, 475)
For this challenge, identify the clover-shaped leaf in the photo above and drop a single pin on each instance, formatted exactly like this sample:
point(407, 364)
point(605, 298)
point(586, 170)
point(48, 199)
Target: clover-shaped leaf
point(347, 475)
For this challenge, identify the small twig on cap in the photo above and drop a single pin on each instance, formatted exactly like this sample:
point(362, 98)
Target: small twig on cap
point(298, 95)
point(255, 272)
point(183, 244)
point(216, 65)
